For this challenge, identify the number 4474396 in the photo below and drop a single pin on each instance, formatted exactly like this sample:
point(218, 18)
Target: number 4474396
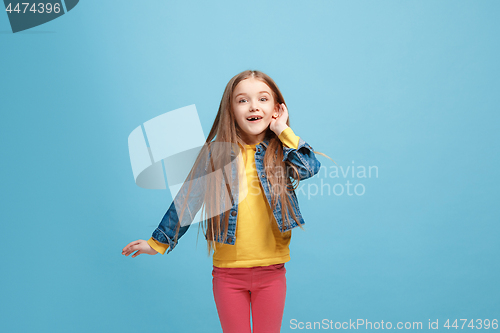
point(480, 323)
point(42, 8)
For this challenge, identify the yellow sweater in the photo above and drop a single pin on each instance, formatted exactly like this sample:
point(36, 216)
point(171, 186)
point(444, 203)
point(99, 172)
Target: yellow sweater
point(259, 242)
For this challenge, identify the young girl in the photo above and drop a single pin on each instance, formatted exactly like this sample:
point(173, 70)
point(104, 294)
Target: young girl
point(249, 238)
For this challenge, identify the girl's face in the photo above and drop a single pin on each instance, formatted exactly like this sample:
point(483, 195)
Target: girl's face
point(253, 98)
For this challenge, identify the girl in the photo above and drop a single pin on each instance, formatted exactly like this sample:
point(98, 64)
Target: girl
point(249, 238)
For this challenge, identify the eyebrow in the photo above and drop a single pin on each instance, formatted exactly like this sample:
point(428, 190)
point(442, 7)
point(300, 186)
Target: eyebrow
point(260, 92)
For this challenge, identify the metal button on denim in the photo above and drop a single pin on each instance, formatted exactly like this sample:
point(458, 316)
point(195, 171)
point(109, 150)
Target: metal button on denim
point(233, 213)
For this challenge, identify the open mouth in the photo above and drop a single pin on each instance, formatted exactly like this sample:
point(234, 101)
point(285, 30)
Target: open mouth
point(254, 118)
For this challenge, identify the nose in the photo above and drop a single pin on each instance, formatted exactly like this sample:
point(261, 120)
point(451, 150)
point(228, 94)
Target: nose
point(253, 106)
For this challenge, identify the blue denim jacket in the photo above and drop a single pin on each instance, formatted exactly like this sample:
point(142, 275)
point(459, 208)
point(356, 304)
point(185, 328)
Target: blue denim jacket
point(304, 160)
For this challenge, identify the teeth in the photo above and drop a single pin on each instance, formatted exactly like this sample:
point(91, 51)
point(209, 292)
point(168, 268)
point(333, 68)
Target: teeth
point(254, 118)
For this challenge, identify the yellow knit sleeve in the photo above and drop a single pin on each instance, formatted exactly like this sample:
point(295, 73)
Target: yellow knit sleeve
point(160, 247)
point(289, 139)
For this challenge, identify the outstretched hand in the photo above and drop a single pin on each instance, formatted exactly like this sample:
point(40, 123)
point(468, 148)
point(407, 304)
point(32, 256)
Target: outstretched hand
point(278, 121)
point(141, 246)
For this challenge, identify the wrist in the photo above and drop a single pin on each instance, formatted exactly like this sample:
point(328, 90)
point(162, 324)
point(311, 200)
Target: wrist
point(279, 129)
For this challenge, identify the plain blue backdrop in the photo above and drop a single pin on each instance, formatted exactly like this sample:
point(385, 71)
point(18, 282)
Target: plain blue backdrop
point(409, 87)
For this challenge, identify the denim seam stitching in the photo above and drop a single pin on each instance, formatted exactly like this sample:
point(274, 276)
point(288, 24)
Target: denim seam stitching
point(168, 239)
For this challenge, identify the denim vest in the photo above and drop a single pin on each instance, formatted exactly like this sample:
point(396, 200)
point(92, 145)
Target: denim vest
point(303, 158)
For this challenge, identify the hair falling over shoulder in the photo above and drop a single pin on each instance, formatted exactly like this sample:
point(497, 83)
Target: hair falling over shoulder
point(224, 136)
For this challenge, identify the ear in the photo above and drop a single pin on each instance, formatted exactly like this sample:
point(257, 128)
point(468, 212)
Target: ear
point(276, 110)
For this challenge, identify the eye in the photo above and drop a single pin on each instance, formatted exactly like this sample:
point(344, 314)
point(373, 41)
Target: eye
point(241, 100)
point(264, 98)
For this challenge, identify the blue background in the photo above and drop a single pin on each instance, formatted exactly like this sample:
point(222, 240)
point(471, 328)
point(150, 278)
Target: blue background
point(411, 87)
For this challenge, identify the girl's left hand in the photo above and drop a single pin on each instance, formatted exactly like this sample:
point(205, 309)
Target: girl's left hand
point(278, 123)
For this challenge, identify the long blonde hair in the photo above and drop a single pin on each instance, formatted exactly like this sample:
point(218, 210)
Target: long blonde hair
point(226, 131)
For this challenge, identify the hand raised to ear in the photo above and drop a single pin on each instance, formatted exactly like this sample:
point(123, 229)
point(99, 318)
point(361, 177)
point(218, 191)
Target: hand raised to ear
point(278, 121)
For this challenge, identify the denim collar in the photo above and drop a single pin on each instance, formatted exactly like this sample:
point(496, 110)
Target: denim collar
point(265, 143)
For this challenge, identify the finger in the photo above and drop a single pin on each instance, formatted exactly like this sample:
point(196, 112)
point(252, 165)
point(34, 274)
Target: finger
point(136, 254)
point(130, 250)
point(129, 245)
